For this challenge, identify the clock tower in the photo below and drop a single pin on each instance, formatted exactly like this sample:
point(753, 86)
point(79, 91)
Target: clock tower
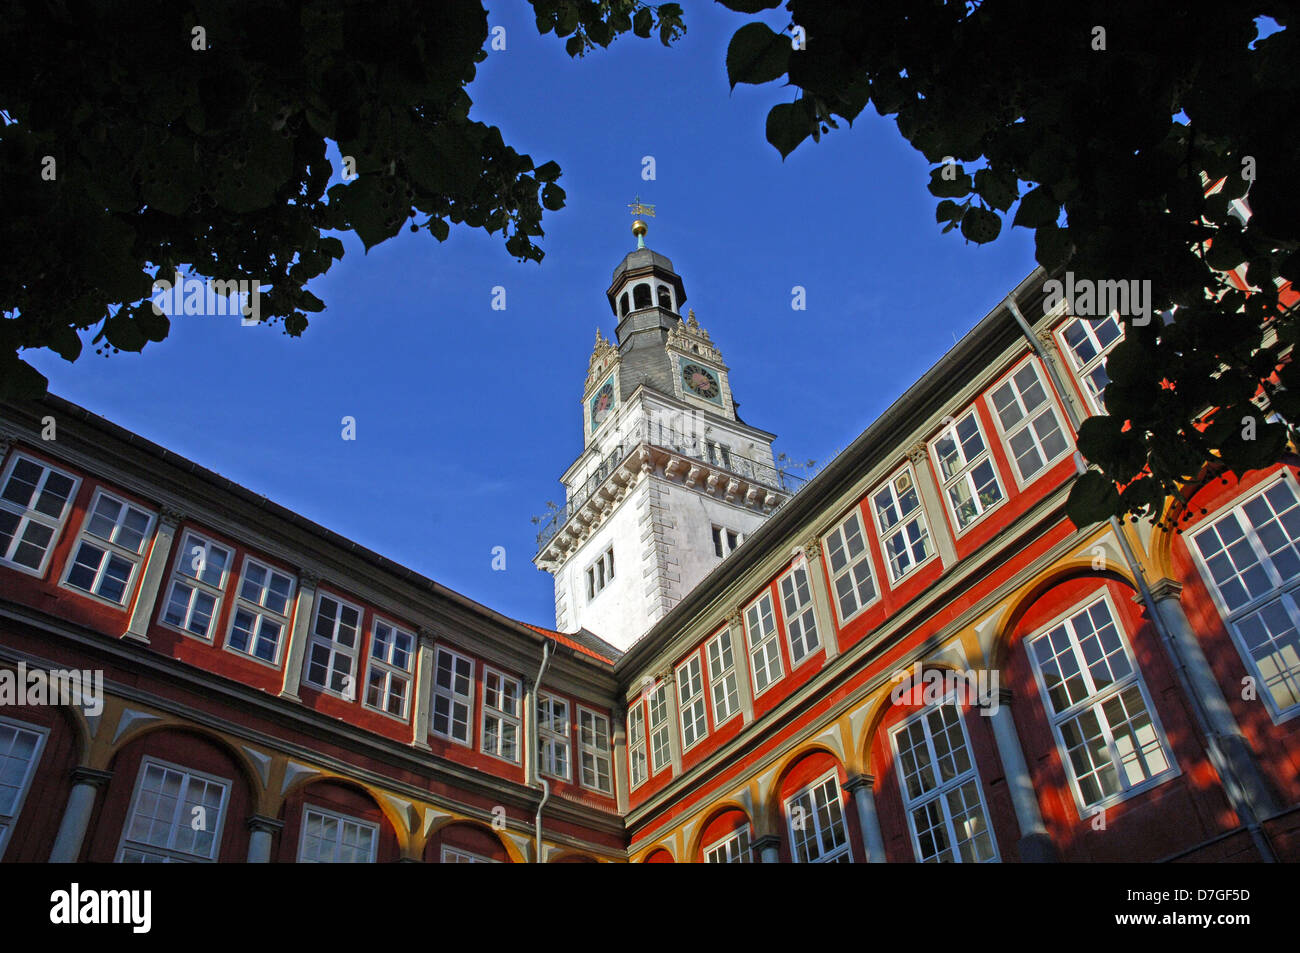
point(670, 479)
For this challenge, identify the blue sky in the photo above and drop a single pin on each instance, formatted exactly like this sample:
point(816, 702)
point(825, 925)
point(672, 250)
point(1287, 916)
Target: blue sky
point(466, 416)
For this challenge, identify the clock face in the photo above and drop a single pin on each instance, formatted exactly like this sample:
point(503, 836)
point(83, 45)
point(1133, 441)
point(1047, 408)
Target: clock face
point(602, 402)
point(701, 381)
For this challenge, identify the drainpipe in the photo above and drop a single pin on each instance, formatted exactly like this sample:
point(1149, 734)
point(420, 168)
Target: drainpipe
point(531, 754)
point(1232, 786)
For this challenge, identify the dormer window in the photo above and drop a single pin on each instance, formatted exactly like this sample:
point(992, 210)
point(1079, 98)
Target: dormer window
point(641, 297)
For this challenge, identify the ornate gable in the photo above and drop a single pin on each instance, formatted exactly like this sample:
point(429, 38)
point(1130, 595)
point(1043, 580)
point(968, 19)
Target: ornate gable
point(603, 356)
point(689, 338)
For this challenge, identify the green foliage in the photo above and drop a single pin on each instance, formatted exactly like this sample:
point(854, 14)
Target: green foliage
point(213, 160)
point(1083, 147)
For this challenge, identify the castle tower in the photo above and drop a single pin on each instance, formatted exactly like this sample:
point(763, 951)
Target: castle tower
point(670, 479)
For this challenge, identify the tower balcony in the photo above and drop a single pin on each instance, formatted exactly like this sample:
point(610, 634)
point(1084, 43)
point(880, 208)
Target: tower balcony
point(697, 464)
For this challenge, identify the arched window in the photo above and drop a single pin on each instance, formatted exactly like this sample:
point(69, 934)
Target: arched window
point(665, 298)
point(641, 297)
point(622, 305)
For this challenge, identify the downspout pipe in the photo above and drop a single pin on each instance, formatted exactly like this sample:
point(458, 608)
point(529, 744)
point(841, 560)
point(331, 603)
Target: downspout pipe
point(1232, 786)
point(536, 774)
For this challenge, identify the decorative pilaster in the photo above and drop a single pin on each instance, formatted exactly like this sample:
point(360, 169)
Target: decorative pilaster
point(299, 634)
point(936, 522)
point(155, 573)
point(740, 654)
point(1035, 845)
point(421, 704)
point(86, 782)
point(812, 552)
point(262, 830)
point(862, 787)
point(768, 849)
point(618, 750)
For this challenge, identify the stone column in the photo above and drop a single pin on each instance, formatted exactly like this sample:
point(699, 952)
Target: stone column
point(1035, 844)
point(935, 514)
point(1225, 734)
point(618, 751)
point(421, 704)
point(299, 633)
point(76, 816)
point(821, 597)
point(740, 653)
point(261, 830)
point(674, 723)
point(153, 577)
point(769, 849)
point(862, 786)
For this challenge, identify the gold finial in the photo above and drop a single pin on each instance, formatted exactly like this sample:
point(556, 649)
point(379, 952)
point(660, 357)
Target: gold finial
point(639, 228)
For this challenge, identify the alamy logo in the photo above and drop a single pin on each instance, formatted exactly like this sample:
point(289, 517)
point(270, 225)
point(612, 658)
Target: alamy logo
point(193, 296)
point(76, 906)
point(935, 686)
point(40, 686)
point(1085, 298)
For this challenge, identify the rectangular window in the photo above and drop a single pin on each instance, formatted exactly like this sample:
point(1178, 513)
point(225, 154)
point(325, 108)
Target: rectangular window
point(850, 562)
point(332, 652)
point(553, 736)
point(1109, 739)
point(1088, 343)
point(329, 838)
point(1251, 557)
point(176, 816)
point(34, 503)
point(593, 750)
point(764, 651)
point(600, 574)
point(1029, 422)
point(722, 677)
point(636, 742)
point(901, 522)
point(501, 695)
point(20, 751)
point(690, 701)
point(970, 481)
point(724, 540)
point(800, 619)
point(388, 673)
point(941, 789)
point(198, 580)
point(732, 849)
point(261, 612)
point(661, 753)
point(454, 855)
point(818, 833)
point(453, 695)
point(110, 548)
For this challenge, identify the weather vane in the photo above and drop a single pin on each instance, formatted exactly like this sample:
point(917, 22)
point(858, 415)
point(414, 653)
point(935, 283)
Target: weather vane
point(638, 226)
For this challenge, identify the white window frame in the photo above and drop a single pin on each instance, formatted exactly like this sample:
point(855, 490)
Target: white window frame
point(735, 848)
point(452, 697)
point(1082, 370)
point(550, 741)
point(721, 536)
point(342, 819)
point(692, 710)
point(459, 855)
point(196, 585)
point(260, 613)
point(600, 573)
point(915, 515)
point(812, 818)
point(170, 853)
point(944, 786)
point(28, 514)
point(765, 653)
point(334, 648)
point(724, 682)
point(1135, 677)
point(390, 671)
point(1051, 405)
point(637, 741)
point(1281, 590)
point(498, 715)
point(965, 472)
point(590, 749)
point(110, 548)
point(657, 699)
point(849, 569)
point(803, 611)
point(9, 821)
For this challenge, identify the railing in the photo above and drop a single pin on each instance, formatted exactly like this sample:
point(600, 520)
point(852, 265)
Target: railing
point(752, 471)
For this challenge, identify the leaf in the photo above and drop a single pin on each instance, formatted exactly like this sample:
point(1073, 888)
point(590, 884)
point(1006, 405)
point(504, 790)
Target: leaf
point(1052, 247)
point(547, 172)
point(789, 124)
point(980, 225)
point(1038, 209)
point(19, 380)
point(756, 54)
point(947, 211)
point(750, 6)
point(553, 197)
point(998, 189)
point(642, 22)
point(1093, 499)
point(953, 187)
